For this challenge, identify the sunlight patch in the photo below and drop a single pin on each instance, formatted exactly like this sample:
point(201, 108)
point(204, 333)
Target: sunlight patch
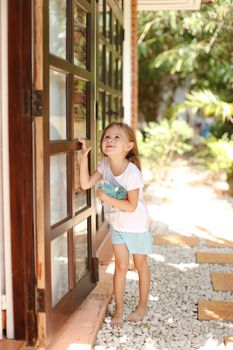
point(157, 257)
point(184, 266)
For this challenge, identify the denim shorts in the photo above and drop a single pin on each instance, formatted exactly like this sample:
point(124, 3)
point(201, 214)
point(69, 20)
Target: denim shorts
point(137, 243)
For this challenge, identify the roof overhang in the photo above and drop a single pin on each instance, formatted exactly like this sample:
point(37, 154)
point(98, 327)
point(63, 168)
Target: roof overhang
point(158, 5)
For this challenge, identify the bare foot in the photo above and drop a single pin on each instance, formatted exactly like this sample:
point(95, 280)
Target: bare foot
point(117, 320)
point(138, 314)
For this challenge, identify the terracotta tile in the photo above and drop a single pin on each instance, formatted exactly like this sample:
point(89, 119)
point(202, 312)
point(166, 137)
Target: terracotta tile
point(182, 241)
point(81, 329)
point(215, 310)
point(214, 258)
point(222, 280)
point(228, 341)
point(105, 251)
point(218, 243)
point(7, 344)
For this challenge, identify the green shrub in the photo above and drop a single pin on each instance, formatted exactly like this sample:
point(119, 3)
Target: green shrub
point(160, 142)
point(220, 157)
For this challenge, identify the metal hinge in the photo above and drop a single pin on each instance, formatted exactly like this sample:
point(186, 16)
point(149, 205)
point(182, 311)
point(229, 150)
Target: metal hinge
point(37, 103)
point(32, 103)
point(40, 300)
point(95, 269)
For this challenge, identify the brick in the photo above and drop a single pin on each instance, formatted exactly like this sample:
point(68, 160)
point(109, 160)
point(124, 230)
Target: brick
point(222, 280)
point(182, 241)
point(214, 258)
point(215, 310)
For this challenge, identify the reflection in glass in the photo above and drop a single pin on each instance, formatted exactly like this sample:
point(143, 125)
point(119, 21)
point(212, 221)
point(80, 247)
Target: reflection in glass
point(115, 30)
point(120, 41)
point(57, 106)
point(81, 250)
point(58, 188)
point(101, 62)
point(80, 196)
point(101, 16)
point(108, 68)
point(120, 108)
point(100, 124)
point(80, 108)
point(115, 108)
point(108, 22)
point(80, 36)
point(108, 110)
point(119, 75)
point(57, 27)
point(100, 127)
point(115, 74)
point(120, 3)
point(59, 268)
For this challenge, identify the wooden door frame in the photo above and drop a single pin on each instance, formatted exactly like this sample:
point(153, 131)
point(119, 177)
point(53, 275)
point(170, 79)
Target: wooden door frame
point(46, 317)
point(21, 167)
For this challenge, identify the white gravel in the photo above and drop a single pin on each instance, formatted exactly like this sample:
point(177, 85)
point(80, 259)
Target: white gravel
point(177, 282)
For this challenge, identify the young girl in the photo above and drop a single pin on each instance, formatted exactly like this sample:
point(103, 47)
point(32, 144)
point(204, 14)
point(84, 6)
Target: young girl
point(127, 217)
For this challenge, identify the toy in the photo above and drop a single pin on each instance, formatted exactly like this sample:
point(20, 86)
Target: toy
point(113, 191)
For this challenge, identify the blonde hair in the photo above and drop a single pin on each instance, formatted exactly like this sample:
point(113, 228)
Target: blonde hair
point(133, 154)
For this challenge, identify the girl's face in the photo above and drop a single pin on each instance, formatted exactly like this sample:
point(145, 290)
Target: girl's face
point(116, 142)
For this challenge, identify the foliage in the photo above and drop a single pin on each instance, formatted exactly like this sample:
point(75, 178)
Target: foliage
point(187, 49)
point(209, 103)
point(218, 155)
point(160, 142)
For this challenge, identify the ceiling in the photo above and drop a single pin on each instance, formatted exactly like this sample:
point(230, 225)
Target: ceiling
point(156, 5)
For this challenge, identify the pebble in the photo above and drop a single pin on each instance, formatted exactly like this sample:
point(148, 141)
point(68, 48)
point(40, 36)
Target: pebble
point(177, 283)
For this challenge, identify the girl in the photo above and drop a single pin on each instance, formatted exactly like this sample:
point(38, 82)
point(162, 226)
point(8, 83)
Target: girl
point(127, 217)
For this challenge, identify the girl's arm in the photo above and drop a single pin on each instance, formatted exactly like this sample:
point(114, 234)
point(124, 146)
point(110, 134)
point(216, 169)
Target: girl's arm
point(87, 180)
point(129, 204)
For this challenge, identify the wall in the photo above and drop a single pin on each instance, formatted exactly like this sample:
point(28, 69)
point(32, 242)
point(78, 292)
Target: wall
point(5, 236)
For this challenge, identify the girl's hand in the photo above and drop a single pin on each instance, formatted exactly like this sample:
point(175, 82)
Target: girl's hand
point(84, 149)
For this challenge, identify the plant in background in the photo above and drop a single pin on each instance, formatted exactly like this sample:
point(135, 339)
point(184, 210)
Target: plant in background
point(159, 143)
point(210, 104)
point(179, 49)
point(218, 156)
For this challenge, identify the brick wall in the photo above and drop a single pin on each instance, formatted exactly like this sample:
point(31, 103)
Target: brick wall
point(134, 67)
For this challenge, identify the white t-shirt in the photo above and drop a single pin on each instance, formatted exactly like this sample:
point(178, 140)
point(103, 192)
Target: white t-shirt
point(130, 179)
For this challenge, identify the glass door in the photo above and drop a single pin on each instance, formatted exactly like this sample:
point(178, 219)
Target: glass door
point(110, 36)
point(68, 268)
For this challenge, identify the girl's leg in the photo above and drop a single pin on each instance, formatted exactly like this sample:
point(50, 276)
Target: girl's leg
point(121, 266)
point(140, 262)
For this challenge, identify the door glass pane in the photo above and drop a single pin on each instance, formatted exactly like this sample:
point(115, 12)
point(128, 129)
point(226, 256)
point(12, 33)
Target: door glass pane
point(58, 188)
point(80, 36)
point(108, 110)
point(100, 122)
point(57, 27)
point(101, 62)
point(115, 74)
point(59, 267)
point(115, 31)
point(80, 108)
point(108, 68)
point(119, 75)
point(101, 16)
point(120, 43)
point(120, 108)
point(57, 106)
point(80, 196)
point(115, 108)
point(81, 249)
point(108, 22)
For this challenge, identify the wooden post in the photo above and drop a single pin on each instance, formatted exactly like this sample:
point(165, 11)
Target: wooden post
point(134, 66)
